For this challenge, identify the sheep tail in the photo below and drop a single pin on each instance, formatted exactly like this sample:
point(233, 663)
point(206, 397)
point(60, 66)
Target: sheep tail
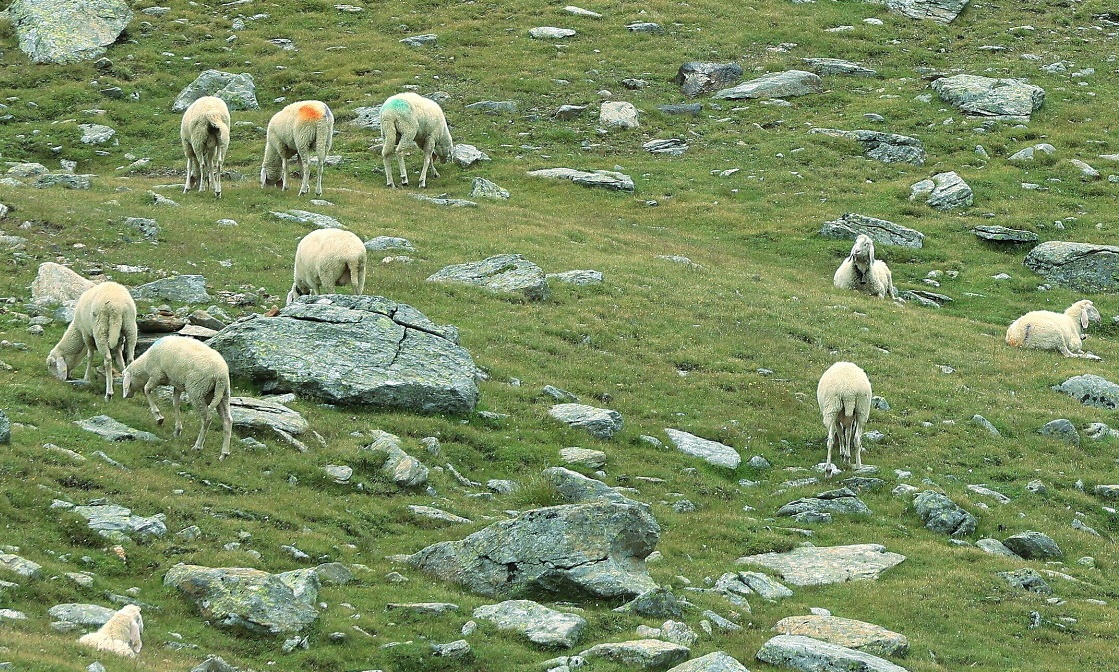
point(1019, 337)
point(221, 391)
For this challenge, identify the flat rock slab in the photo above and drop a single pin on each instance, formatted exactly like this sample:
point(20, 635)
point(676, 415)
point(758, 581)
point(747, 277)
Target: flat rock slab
point(177, 289)
point(786, 84)
point(541, 625)
point(117, 523)
point(251, 600)
point(312, 218)
point(111, 430)
point(843, 501)
point(941, 11)
point(712, 662)
point(601, 423)
point(846, 632)
point(258, 413)
point(884, 147)
point(583, 457)
point(354, 350)
point(643, 653)
point(837, 66)
point(437, 515)
point(580, 278)
point(423, 608)
point(851, 225)
point(1084, 267)
point(813, 655)
point(575, 487)
point(1010, 99)
point(605, 179)
point(823, 565)
point(502, 273)
point(550, 33)
point(61, 32)
point(713, 452)
point(1001, 234)
point(20, 566)
point(85, 615)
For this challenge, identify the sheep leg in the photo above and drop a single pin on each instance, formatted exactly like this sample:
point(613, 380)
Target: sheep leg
point(304, 171)
point(90, 351)
point(226, 426)
point(387, 160)
point(321, 166)
point(423, 173)
point(176, 397)
point(148, 387)
point(204, 411)
point(829, 468)
point(283, 174)
point(108, 375)
point(403, 170)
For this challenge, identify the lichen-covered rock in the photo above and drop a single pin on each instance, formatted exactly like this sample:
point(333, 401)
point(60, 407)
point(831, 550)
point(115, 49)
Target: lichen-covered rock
point(55, 283)
point(1003, 234)
point(177, 289)
point(941, 11)
point(403, 469)
point(642, 653)
point(851, 225)
point(1091, 390)
point(618, 114)
point(712, 662)
point(601, 423)
point(775, 85)
point(988, 97)
point(713, 452)
point(822, 565)
point(846, 632)
point(943, 191)
point(238, 91)
point(61, 31)
point(696, 77)
point(1033, 545)
point(884, 147)
point(251, 600)
point(502, 273)
point(606, 179)
point(117, 523)
point(1027, 579)
point(1085, 267)
point(541, 625)
point(20, 566)
point(837, 66)
point(812, 655)
point(941, 514)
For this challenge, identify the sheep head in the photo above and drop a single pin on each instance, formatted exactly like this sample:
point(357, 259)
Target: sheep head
point(862, 252)
point(57, 365)
point(1084, 312)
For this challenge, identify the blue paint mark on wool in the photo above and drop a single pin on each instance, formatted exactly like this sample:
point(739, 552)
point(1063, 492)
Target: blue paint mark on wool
point(396, 105)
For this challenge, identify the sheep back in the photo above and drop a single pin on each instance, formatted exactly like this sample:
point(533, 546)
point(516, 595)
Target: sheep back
point(1044, 330)
point(328, 258)
point(411, 117)
point(844, 391)
point(105, 318)
point(183, 363)
point(121, 634)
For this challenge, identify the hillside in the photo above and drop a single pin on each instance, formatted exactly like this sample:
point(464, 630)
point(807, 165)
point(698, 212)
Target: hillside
point(716, 317)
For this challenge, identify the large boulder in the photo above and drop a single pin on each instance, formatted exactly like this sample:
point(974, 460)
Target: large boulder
point(238, 91)
point(354, 350)
point(1009, 99)
point(851, 225)
point(177, 289)
point(597, 549)
point(250, 600)
point(55, 283)
point(943, 191)
point(1091, 390)
point(812, 655)
point(822, 565)
point(1033, 545)
point(501, 273)
point(941, 11)
point(63, 31)
point(1084, 267)
point(775, 85)
point(695, 77)
point(941, 514)
point(884, 147)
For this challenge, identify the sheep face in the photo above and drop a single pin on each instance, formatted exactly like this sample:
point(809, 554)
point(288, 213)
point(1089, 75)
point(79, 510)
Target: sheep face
point(267, 180)
point(57, 366)
point(126, 386)
point(863, 249)
point(1088, 314)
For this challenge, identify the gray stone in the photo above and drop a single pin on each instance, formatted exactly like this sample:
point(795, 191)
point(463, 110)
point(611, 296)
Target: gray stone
point(985, 424)
point(437, 515)
point(720, 622)
point(550, 33)
point(559, 395)
point(459, 648)
point(569, 112)
point(1010, 99)
point(214, 664)
point(1098, 431)
point(61, 32)
point(148, 228)
point(943, 191)
point(1085, 267)
point(712, 662)
point(493, 107)
point(1033, 545)
point(618, 114)
point(837, 66)
point(606, 179)
point(424, 40)
point(116, 523)
point(28, 170)
point(367, 117)
point(941, 514)
point(642, 653)
point(941, 11)
point(388, 243)
point(812, 655)
point(423, 608)
point(541, 625)
point(583, 457)
point(464, 155)
point(671, 146)
point(671, 631)
point(596, 548)
point(111, 430)
point(400, 467)
point(842, 501)
point(695, 77)
point(64, 180)
point(718, 454)
point(11, 562)
point(1027, 154)
point(1002, 234)
point(177, 289)
point(305, 217)
point(354, 350)
point(580, 278)
point(250, 600)
point(238, 91)
point(775, 85)
point(87, 615)
point(766, 587)
point(822, 565)
point(579, 11)
point(5, 429)
point(644, 27)
point(262, 413)
point(1087, 171)
point(1027, 579)
point(1108, 492)
point(55, 284)
point(96, 134)
point(690, 109)
point(1061, 429)
point(988, 492)
point(884, 147)
point(502, 273)
point(847, 632)
point(995, 547)
point(445, 202)
point(576, 488)
point(850, 226)
point(601, 423)
point(659, 602)
point(480, 187)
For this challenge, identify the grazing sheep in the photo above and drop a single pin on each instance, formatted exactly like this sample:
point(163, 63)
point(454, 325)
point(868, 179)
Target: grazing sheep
point(1047, 330)
point(411, 118)
point(862, 272)
point(120, 634)
point(205, 135)
point(104, 322)
point(190, 365)
point(328, 258)
point(301, 129)
point(844, 397)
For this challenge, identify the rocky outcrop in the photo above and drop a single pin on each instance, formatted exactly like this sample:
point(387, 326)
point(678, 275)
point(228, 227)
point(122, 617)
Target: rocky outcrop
point(1084, 267)
point(1009, 99)
point(851, 225)
point(61, 32)
point(884, 147)
point(502, 273)
point(1033, 545)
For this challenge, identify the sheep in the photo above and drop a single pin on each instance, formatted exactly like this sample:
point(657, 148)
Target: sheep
point(862, 272)
point(104, 322)
point(325, 259)
point(120, 634)
point(190, 365)
point(204, 132)
point(844, 396)
point(1047, 330)
point(411, 118)
point(299, 129)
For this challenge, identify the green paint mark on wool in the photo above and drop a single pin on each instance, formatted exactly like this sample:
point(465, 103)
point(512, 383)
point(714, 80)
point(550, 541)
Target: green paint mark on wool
point(396, 105)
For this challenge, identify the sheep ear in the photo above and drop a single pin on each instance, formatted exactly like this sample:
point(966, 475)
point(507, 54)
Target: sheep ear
point(1084, 314)
point(135, 628)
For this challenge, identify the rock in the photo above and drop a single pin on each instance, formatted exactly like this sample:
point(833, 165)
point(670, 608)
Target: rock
point(446, 202)
point(251, 600)
point(812, 655)
point(424, 40)
point(695, 77)
point(712, 662)
point(465, 155)
point(480, 187)
point(1002, 234)
point(423, 608)
point(606, 179)
point(941, 11)
point(305, 217)
point(576, 488)
point(642, 653)
point(837, 66)
point(995, 547)
point(601, 423)
point(569, 112)
point(541, 625)
point(943, 191)
point(618, 114)
point(822, 565)
point(691, 109)
point(1084, 267)
point(1033, 546)
point(671, 146)
point(596, 548)
point(842, 501)
point(581, 278)
point(86, 615)
point(111, 430)
point(850, 225)
point(258, 413)
point(400, 467)
point(1061, 429)
point(583, 457)
point(55, 283)
point(985, 424)
point(59, 32)
point(5, 429)
point(367, 117)
point(658, 602)
point(457, 649)
point(775, 85)
point(884, 147)
point(578, 11)
point(715, 453)
point(550, 33)
point(214, 664)
point(177, 289)
point(493, 107)
point(1027, 154)
point(438, 515)
point(1087, 171)
point(354, 350)
point(388, 243)
point(1098, 431)
point(1027, 579)
point(987, 492)
point(720, 622)
point(116, 523)
point(941, 514)
point(644, 27)
point(1009, 99)
point(1108, 492)
point(503, 273)
point(96, 134)
point(847, 632)
point(64, 180)
point(20, 566)
point(238, 91)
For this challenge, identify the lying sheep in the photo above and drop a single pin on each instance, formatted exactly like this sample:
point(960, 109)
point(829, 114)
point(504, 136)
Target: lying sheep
point(862, 272)
point(104, 322)
point(328, 258)
point(1047, 330)
point(297, 130)
point(411, 118)
point(205, 135)
point(120, 634)
point(190, 365)
point(844, 396)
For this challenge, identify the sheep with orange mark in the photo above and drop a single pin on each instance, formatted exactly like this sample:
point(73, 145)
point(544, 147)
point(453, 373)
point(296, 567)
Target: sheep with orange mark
point(408, 118)
point(120, 634)
point(204, 132)
point(301, 129)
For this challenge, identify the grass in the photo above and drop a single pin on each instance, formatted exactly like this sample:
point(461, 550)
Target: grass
point(666, 345)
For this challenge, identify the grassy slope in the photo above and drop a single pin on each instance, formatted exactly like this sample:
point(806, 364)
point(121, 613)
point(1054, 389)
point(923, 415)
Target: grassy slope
point(761, 298)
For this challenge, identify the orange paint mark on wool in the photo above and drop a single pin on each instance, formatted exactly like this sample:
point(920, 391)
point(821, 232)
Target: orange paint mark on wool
point(310, 113)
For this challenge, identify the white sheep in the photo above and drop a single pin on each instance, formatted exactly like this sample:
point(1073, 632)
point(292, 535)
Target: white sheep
point(187, 365)
point(299, 129)
point(1047, 330)
point(204, 132)
point(844, 396)
point(104, 322)
point(120, 634)
point(862, 272)
point(325, 259)
point(410, 118)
